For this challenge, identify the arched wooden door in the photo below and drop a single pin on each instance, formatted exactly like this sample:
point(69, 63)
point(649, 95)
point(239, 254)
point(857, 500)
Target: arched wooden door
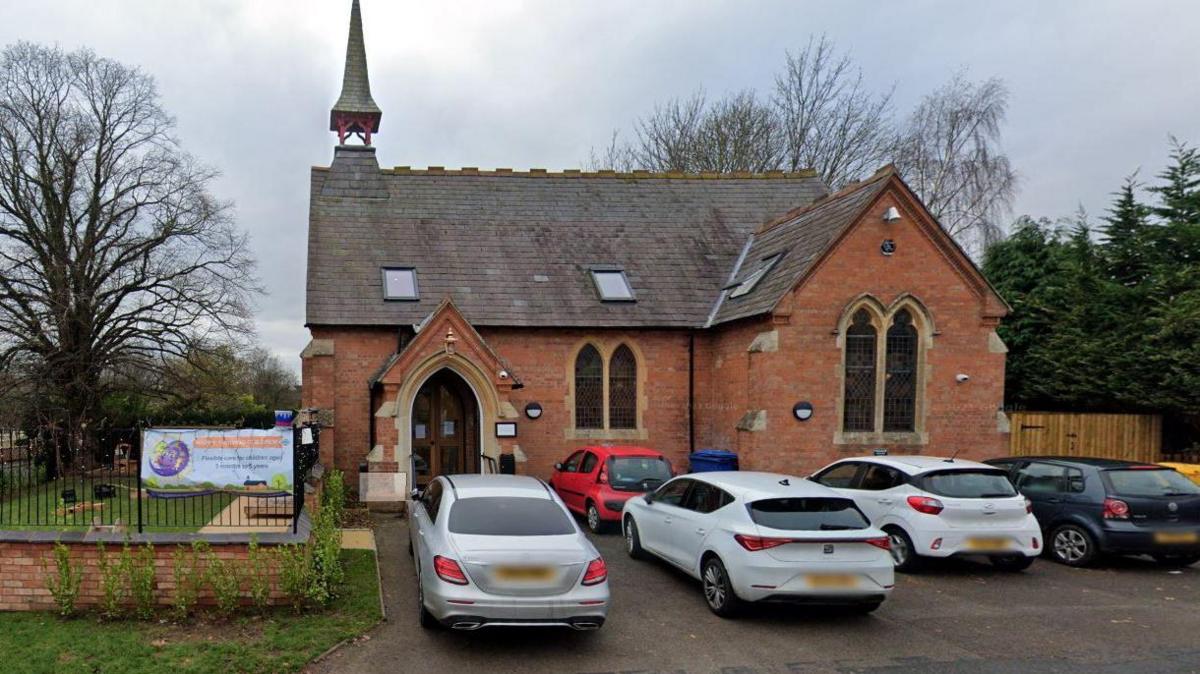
point(445, 428)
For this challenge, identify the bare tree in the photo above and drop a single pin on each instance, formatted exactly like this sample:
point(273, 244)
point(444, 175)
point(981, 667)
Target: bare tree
point(949, 153)
point(830, 122)
point(113, 253)
point(735, 133)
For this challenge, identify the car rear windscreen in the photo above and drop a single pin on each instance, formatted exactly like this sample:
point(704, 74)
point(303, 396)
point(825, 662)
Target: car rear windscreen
point(968, 484)
point(1150, 482)
point(628, 473)
point(508, 516)
point(808, 514)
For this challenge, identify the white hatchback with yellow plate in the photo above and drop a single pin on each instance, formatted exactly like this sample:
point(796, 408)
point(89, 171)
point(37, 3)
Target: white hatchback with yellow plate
point(751, 537)
point(934, 507)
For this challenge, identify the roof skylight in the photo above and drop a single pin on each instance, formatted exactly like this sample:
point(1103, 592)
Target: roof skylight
point(612, 285)
point(751, 280)
point(400, 283)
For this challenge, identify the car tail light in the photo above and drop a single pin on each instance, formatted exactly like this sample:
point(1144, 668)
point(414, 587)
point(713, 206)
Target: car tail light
point(1115, 509)
point(926, 504)
point(448, 570)
point(1028, 507)
point(756, 543)
point(597, 572)
point(883, 542)
point(1036, 544)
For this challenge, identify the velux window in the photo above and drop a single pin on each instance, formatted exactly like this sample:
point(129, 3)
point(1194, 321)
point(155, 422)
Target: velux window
point(751, 280)
point(400, 283)
point(612, 285)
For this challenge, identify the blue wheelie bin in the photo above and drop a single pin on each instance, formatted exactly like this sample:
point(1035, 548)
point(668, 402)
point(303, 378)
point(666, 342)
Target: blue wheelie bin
point(708, 460)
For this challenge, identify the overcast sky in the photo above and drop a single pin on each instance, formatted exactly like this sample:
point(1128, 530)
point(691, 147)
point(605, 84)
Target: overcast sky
point(1096, 86)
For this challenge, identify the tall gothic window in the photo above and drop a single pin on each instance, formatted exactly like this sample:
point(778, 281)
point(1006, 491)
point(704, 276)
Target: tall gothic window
point(622, 389)
point(900, 388)
point(589, 388)
point(859, 412)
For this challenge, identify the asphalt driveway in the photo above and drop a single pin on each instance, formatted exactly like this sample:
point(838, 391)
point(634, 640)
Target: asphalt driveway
point(1127, 616)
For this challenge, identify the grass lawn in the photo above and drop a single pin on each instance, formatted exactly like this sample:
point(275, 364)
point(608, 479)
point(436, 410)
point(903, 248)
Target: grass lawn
point(279, 642)
point(40, 508)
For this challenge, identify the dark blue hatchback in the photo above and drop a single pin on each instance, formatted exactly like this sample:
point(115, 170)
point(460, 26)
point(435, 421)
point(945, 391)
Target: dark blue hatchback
point(1089, 507)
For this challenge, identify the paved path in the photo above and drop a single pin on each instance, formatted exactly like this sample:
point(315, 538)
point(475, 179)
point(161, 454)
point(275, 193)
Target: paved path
point(960, 617)
point(235, 513)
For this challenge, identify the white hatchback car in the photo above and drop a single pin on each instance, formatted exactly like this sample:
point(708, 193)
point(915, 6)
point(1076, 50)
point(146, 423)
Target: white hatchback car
point(934, 507)
point(762, 537)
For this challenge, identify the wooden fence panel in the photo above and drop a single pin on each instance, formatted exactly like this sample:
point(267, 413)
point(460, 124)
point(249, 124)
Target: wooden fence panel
point(1132, 437)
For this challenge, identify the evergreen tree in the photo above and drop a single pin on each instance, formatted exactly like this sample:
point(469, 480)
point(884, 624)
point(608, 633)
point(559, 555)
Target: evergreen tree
point(1127, 237)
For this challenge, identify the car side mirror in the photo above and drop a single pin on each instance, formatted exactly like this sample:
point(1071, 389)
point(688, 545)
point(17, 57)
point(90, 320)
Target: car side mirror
point(558, 466)
point(649, 498)
point(416, 493)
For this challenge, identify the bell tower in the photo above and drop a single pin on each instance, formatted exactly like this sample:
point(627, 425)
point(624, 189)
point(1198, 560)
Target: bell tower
point(355, 112)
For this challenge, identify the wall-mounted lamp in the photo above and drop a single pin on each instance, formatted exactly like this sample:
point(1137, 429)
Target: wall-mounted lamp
point(962, 378)
point(892, 214)
point(533, 410)
point(803, 411)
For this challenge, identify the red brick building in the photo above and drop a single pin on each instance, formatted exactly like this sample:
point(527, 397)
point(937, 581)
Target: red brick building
point(457, 315)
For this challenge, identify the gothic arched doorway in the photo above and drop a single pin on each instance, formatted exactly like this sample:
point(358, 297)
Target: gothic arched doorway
point(445, 428)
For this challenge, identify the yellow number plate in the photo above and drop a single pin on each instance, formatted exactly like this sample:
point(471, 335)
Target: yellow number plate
point(1176, 538)
point(832, 581)
point(524, 573)
point(987, 543)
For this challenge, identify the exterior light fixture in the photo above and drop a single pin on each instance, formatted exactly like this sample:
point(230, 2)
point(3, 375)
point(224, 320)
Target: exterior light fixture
point(450, 340)
point(533, 410)
point(892, 214)
point(803, 411)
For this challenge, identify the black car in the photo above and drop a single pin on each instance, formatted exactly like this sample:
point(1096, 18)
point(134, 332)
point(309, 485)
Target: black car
point(1088, 507)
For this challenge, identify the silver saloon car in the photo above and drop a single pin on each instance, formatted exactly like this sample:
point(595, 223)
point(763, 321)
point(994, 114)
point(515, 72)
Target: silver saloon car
point(502, 550)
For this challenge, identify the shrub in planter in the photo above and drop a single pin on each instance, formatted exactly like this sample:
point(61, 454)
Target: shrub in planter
point(63, 584)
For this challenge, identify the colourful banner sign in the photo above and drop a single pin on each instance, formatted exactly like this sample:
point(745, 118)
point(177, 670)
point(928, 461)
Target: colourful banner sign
point(187, 461)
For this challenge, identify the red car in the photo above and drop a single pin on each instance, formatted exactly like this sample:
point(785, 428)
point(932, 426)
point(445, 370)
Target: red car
point(596, 481)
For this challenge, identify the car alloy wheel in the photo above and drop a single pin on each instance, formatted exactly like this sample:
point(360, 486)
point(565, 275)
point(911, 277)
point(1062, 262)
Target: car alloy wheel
point(1070, 545)
point(593, 518)
point(899, 548)
point(630, 544)
point(714, 586)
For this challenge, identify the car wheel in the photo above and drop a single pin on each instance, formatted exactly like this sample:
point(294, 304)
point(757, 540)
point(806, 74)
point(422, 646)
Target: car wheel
point(1177, 561)
point(1012, 562)
point(718, 590)
point(595, 524)
point(1072, 545)
point(904, 553)
point(633, 542)
point(424, 617)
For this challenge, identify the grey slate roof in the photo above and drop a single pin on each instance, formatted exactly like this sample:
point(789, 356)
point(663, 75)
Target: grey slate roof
point(515, 248)
point(801, 237)
point(356, 85)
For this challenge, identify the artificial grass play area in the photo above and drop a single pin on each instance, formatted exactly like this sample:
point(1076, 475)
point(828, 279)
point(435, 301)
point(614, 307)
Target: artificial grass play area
point(280, 641)
point(42, 507)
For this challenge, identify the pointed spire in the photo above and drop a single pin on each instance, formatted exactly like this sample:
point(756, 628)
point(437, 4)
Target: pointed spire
point(355, 110)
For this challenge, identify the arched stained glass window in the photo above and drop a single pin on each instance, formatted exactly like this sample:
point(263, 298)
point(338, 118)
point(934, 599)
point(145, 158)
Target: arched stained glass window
point(622, 389)
point(859, 412)
point(589, 388)
point(900, 387)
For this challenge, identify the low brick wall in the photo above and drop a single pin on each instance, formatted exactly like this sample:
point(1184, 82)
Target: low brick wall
point(26, 558)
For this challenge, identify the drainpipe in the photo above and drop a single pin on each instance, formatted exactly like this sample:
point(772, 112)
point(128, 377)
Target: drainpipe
point(691, 391)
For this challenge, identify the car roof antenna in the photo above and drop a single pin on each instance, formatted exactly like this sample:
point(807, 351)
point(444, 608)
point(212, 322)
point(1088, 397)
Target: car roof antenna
point(952, 456)
point(785, 482)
